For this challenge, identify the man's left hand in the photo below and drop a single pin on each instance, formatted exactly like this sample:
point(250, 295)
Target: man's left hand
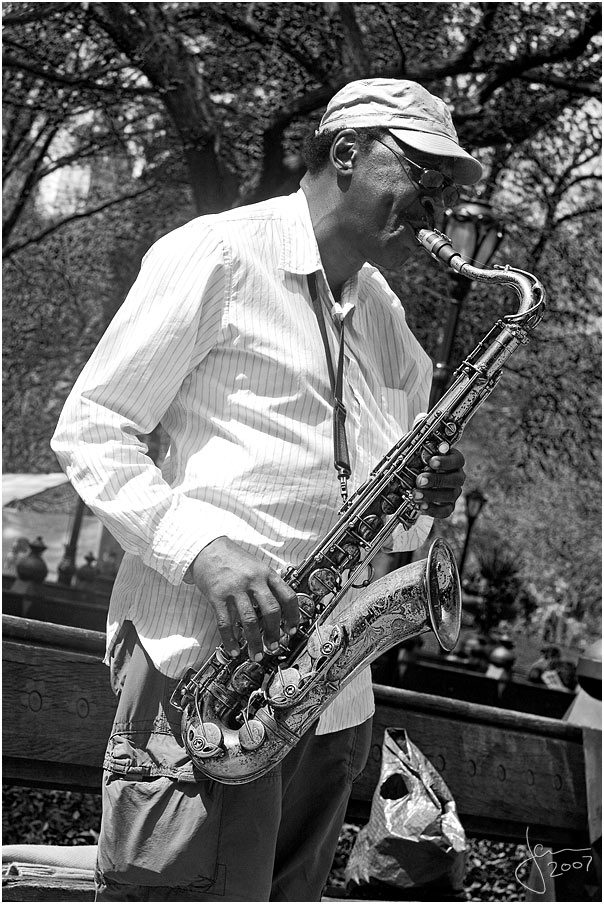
point(439, 486)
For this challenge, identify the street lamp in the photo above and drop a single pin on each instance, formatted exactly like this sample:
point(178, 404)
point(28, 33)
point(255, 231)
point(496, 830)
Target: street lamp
point(475, 234)
point(66, 568)
point(475, 501)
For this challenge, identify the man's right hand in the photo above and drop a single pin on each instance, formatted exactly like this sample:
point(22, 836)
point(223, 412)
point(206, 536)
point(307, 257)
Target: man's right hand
point(245, 593)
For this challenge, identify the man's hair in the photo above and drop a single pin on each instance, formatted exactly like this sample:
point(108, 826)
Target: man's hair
point(316, 148)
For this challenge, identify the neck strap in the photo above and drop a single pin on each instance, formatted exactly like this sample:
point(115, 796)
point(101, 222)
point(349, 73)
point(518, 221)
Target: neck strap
point(341, 458)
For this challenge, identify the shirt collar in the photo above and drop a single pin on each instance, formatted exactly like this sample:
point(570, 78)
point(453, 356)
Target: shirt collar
point(299, 249)
point(300, 253)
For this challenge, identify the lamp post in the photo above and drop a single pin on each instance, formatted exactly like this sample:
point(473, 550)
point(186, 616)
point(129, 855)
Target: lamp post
point(66, 568)
point(475, 500)
point(475, 234)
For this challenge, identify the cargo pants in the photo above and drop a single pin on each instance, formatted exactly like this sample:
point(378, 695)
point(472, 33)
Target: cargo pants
point(170, 834)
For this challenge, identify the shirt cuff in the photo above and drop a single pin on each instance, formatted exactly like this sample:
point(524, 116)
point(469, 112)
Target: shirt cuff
point(408, 540)
point(187, 528)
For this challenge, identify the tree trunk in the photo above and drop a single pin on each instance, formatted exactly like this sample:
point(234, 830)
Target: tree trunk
point(142, 32)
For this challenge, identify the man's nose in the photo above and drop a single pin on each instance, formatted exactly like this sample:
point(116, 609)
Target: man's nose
point(436, 198)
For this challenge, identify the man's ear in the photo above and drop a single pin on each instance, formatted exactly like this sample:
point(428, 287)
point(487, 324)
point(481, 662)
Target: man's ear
point(344, 151)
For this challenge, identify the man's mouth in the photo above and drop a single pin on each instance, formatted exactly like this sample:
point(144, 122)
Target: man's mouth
point(414, 220)
point(430, 212)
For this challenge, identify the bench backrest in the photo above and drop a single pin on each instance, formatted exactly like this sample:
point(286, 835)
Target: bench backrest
point(507, 771)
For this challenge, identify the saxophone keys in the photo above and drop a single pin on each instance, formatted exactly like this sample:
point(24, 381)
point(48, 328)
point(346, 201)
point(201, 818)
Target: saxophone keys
point(367, 527)
point(322, 581)
point(390, 503)
point(251, 735)
point(345, 554)
point(206, 740)
point(247, 677)
point(306, 605)
point(284, 686)
point(324, 642)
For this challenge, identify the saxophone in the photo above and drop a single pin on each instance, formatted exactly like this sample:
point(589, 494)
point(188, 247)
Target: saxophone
point(241, 717)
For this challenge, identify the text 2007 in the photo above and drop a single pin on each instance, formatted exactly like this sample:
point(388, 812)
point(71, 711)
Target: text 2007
point(582, 863)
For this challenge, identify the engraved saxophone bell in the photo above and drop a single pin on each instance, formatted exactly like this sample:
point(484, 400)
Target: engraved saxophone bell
point(415, 599)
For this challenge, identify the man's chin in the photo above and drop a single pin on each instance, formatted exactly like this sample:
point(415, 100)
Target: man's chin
point(403, 246)
point(394, 262)
point(396, 250)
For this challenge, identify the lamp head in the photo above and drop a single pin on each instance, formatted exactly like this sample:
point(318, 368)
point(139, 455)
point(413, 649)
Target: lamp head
point(475, 500)
point(474, 231)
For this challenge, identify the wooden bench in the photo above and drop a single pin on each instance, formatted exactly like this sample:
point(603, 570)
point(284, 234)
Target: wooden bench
point(509, 772)
point(51, 602)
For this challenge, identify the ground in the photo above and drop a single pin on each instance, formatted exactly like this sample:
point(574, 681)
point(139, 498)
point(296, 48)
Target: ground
point(33, 816)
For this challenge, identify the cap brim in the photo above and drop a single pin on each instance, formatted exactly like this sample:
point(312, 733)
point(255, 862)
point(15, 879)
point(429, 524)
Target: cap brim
point(466, 170)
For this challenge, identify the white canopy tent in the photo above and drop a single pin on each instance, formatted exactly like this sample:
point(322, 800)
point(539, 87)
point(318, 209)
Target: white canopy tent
point(53, 524)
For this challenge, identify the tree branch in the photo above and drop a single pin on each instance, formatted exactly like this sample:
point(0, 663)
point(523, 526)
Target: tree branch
point(583, 211)
point(28, 185)
point(558, 53)
point(83, 152)
point(303, 55)
point(354, 39)
point(578, 180)
point(465, 59)
point(9, 249)
point(587, 89)
point(403, 57)
point(38, 14)
point(20, 143)
point(71, 81)
point(163, 57)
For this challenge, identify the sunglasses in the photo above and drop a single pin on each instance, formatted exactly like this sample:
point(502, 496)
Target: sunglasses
point(429, 180)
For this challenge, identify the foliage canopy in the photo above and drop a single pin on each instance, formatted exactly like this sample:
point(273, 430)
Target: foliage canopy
point(123, 120)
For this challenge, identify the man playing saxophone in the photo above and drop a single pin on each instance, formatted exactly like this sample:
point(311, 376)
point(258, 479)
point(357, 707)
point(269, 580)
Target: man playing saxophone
point(219, 340)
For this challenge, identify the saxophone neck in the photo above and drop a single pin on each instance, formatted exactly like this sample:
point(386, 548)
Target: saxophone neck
point(528, 288)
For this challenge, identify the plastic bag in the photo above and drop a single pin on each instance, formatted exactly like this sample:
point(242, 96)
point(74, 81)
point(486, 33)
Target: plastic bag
point(414, 836)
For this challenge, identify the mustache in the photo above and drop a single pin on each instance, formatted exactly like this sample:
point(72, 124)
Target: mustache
point(430, 211)
point(421, 213)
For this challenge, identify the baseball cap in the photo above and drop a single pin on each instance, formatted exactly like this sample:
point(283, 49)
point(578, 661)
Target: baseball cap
point(409, 112)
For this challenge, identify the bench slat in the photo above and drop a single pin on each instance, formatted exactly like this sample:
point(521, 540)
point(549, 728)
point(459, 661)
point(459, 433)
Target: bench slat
point(506, 770)
point(57, 704)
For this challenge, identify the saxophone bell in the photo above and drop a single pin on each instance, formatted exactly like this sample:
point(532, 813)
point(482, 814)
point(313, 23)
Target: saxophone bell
point(415, 599)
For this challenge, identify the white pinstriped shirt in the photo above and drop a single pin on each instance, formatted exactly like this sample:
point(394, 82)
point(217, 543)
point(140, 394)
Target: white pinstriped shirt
point(218, 341)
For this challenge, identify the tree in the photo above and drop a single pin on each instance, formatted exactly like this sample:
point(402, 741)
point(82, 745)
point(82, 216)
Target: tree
point(501, 585)
point(145, 114)
point(230, 87)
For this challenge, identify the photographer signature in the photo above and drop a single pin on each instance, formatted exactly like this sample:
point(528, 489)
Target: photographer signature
point(581, 861)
